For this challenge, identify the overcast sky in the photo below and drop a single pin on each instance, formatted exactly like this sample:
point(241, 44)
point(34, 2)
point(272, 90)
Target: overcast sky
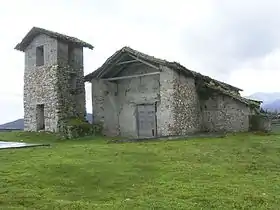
point(234, 41)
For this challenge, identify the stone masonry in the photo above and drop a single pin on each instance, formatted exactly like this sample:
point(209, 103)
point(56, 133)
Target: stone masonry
point(54, 90)
point(221, 113)
point(180, 109)
point(114, 103)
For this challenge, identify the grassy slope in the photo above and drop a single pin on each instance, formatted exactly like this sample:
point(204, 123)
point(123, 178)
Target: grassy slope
point(241, 172)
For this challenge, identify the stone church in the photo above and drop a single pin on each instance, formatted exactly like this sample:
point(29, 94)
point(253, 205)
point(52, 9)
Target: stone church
point(133, 94)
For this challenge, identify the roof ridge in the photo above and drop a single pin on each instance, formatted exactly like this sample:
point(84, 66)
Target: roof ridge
point(174, 65)
point(37, 30)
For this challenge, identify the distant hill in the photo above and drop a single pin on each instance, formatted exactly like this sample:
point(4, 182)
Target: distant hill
point(18, 124)
point(273, 106)
point(271, 101)
point(265, 97)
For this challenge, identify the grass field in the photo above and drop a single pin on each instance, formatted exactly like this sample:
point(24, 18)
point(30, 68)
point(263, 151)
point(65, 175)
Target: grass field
point(275, 126)
point(235, 172)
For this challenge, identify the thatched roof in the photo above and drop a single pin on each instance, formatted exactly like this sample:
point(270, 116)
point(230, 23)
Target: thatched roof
point(35, 31)
point(173, 65)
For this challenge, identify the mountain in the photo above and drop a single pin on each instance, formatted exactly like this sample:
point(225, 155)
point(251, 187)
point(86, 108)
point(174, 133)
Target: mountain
point(271, 101)
point(273, 106)
point(18, 124)
point(265, 97)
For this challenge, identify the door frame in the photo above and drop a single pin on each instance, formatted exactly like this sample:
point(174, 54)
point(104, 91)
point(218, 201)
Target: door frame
point(155, 133)
point(40, 117)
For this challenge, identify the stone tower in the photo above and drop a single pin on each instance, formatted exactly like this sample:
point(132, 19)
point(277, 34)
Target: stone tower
point(54, 87)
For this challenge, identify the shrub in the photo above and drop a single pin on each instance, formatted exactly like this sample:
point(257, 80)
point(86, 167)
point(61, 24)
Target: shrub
point(78, 127)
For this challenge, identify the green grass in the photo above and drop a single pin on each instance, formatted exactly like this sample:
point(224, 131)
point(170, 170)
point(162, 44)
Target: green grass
point(236, 172)
point(275, 126)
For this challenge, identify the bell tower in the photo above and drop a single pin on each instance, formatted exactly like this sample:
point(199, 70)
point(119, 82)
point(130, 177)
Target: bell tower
point(54, 87)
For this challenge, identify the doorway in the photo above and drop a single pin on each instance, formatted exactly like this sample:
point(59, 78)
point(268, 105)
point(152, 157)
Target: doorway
point(40, 117)
point(146, 120)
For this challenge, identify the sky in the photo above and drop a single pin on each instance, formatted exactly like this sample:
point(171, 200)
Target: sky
point(237, 42)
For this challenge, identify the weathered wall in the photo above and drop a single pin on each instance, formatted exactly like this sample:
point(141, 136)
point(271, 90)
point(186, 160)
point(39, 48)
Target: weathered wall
point(49, 84)
point(140, 90)
point(224, 114)
point(40, 83)
point(104, 106)
point(114, 103)
point(260, 122)
point(71, 94)
point(179, 112)
point(186, 106)
point(165, 106)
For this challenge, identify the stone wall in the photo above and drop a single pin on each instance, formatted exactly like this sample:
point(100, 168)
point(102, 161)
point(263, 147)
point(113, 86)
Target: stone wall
point(260, 122)
point(186, 106)
point(220, 113)
point(40, 84)
point(165, 106)
point(49, 84)
point(104, 106)
point(114, 103)
point(139, 90)
point(70, 86)
point(179, 112)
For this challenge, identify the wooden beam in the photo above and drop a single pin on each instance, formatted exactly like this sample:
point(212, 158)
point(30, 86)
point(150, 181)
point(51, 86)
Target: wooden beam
point(116, 72)
point(110, 66)
point(145, 62)
point(126, 62)
point(132, 76)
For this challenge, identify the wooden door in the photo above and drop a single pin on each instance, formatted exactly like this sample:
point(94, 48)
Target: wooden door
point(146, 120)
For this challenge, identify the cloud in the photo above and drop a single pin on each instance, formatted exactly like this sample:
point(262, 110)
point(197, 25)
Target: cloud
point(258, 72)
point(235, 41)
point(235, 32)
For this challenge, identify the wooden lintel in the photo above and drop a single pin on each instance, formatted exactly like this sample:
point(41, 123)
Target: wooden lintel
point(145, 62)
point(110, 67)
point(126, 62)
point(132, 76)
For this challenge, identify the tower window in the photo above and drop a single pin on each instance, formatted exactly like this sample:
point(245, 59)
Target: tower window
point(70, 54)
point(73, 81)
point(40, 56)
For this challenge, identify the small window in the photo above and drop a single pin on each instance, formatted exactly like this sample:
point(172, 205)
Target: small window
point(40, 56)
point(70, 55)
point(73, 81)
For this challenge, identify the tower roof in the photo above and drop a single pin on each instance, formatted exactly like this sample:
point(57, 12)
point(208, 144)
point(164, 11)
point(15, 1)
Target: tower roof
point(35, 31)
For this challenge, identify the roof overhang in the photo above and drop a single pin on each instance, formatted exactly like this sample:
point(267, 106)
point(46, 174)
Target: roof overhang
point(35, 31)
point(118, 62)
point(150, 60)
